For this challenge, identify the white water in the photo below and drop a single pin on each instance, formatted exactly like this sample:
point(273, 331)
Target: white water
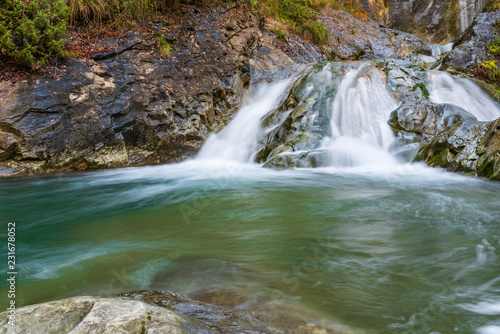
point(438, 49)
point(444, 88)
point(359, 114)
point(360, 110)
point(238, 140)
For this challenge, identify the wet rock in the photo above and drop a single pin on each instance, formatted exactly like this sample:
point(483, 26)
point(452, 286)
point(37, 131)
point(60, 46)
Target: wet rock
point(131, 107)
point(308, 159)
point(470, 48)
point(488, 150)
point(303, 119)
point(469, 146)
point(427, 119)
point(455, 148)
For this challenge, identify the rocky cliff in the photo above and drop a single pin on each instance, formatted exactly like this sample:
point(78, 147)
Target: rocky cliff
point(131, 107)
point(439, 21)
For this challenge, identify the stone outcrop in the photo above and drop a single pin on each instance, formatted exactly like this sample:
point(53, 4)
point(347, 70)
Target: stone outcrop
point(149, 311)
point(160, 313)
point(468, 146)
point(438, 21)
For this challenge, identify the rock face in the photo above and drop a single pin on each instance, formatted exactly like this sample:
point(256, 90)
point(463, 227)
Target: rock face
point(155, 313)
point(438, 21)
point(130, 107)
point(353, 39)
point(470, 49)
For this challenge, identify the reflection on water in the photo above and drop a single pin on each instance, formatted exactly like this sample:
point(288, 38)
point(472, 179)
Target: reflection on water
point(407, 250)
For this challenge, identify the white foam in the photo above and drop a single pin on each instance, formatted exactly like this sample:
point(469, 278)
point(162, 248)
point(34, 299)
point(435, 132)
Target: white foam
point(438, 49)
point(491, 329)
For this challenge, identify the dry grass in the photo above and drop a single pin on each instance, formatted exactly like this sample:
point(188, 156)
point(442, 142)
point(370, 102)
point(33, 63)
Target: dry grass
point(96, 12)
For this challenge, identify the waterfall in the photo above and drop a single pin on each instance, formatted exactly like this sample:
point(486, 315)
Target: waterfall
point(360, 111)
point(444, 88)
point(468, 11)
point(340, 118)
point(238, 140)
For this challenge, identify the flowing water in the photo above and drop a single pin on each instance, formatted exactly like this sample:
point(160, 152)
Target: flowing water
point(360, 110)
point(468, 11)
point(445, 88)
point(398, 249)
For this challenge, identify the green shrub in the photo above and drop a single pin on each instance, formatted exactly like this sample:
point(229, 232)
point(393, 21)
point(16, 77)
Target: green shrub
point(280, 34)
point(33, 31)
point(317, 32)
point(164, 47)
point(300, 16)
point(489, 70)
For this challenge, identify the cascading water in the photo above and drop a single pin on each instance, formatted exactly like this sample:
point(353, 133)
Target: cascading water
point(360, 133)
point(444, 88)
point(334, 114)
point(238, 140)
point(438, 49)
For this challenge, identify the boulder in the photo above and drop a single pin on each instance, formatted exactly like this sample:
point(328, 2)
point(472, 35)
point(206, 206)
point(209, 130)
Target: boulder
point(146, 312)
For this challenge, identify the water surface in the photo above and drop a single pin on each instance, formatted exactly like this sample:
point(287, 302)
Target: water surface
point(411, 249)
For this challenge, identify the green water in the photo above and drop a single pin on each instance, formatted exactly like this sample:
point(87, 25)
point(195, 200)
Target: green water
point(410, 250)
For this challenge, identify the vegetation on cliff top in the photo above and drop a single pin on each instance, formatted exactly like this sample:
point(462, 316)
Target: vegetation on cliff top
point(33, 31)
